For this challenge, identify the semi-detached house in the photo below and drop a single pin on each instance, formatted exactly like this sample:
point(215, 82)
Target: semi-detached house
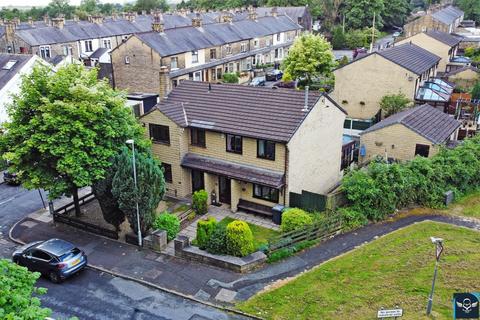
point(200, 52)
point(248, 147)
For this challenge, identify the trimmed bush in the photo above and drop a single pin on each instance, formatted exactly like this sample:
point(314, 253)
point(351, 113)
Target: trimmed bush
point(200, 202)
point(168, 222)
point(295, 218)
point(205, 229)
point(239, 239)
point(230, 77)
point(217, 244)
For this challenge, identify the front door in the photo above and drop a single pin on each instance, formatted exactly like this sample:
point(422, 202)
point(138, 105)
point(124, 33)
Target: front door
point(197, 181)
point(225, 194)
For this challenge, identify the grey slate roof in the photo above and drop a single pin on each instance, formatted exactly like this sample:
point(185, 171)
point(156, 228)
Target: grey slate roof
point(7, 75)
point(234, 170)
point(427, 121)
point(447, 15)
point(410, 57)
point(98, 53)
point(444, 37)
point(183, 39)
point(257, 112)
point(453, 72)
point(41, 34)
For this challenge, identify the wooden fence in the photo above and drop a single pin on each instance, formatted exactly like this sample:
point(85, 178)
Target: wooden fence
point(62, 215)
point(308, 201)
point(319, 231)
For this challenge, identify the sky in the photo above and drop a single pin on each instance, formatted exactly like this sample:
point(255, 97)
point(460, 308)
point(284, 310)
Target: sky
point(41, 3)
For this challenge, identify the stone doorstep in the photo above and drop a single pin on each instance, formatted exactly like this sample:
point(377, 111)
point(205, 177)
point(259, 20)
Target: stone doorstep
point(226, 295)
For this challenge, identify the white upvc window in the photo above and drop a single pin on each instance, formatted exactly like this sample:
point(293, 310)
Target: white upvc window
point(45, 52)
point(88, 46)
point(228, 49)
point(107, 43)
point(243, 47)
point(174, 63)
point(256, 43)
point(194, 56)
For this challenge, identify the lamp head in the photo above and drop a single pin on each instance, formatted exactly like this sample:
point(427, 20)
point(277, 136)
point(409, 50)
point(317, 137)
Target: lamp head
point(130, 141)
point(436, 240)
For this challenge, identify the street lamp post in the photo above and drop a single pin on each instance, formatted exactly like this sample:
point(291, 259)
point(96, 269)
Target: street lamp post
point(139, 231)
point(438, 251)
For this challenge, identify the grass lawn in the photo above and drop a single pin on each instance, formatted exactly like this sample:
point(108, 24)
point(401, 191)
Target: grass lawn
point(261, 235)
point(468, 205)
point(394, 270)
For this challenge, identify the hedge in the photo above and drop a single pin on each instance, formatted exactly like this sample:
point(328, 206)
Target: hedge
point(200, 202)
point(239, 239)
point(295, 218)
point(205, 229)
point(168, 222)
point(378, 189)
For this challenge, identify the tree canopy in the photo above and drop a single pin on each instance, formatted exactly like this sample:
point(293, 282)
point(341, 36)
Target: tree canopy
point(64, 128)
point(393, 103)
point(359, 13)
point(150, 187)
point(18, 294)
point(151, 5)
point(471, 9)
point(310, 58)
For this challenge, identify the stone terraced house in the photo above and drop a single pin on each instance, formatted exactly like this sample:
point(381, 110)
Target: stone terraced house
point(445, 19)
point(200, 52)
point(250, 147)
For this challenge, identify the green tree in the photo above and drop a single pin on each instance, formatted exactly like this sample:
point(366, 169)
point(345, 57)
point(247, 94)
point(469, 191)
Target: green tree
point(476, 91)
point(395, 12)
point(150, 187)
point(89, 6)
point(64, 128)
point(359, 13)
point(151, 4)
point(18, 294)
point(339, 39)
point(60, 7)
point(393, 103)
point(310, 58)
point(471, 9)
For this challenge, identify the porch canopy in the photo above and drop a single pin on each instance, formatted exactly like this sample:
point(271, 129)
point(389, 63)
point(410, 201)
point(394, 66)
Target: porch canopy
point(234, 170)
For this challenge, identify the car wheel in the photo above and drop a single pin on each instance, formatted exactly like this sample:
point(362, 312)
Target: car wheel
point(16, 261)
point(54, 277)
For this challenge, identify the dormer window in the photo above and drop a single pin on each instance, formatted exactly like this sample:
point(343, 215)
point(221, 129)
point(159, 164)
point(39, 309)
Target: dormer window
point(194, 56)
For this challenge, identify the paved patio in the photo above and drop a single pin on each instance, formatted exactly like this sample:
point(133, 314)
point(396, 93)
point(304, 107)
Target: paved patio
point(219, 213)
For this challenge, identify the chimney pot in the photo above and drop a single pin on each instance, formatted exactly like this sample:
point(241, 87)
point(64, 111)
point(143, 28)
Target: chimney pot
point(274, 11)
point(197, 20)
point(58, 22)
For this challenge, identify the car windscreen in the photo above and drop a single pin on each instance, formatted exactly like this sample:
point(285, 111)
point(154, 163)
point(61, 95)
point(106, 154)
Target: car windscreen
point(69, 255)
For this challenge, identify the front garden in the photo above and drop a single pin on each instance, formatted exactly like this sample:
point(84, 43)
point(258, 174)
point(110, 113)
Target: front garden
point(395, 270)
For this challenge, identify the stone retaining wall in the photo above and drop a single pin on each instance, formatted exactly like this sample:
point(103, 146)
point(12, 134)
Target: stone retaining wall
point(184, 250)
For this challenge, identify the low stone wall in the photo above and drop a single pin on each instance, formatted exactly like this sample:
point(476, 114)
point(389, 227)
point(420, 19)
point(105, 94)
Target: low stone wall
point(184, 250)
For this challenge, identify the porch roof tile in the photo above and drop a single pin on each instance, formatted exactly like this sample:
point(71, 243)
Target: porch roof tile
point(234, 170)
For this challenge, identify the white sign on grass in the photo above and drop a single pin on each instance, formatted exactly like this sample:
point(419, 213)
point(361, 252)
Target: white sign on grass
point(392, 313)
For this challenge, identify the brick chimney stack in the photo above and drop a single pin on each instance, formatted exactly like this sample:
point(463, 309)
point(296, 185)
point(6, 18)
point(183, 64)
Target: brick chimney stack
point(158, 25)
point(58, 22)
point(164, 83)
point(30, 21)
point(46, 19)
point(274, 11)
point(9, 30)
point(252, 13)
point(197, 20)
point(98, 19)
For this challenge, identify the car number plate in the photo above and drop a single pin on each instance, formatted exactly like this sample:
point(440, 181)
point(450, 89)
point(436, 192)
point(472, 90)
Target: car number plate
point(75, 262)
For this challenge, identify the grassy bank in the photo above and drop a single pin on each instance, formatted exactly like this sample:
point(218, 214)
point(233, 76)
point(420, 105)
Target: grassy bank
point(393, 270)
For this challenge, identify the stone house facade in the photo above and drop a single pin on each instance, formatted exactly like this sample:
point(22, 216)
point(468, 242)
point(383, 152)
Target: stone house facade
point(361, 84)
point(200, 52)
point(208, 136)
point(440, 43)
point(445, 19)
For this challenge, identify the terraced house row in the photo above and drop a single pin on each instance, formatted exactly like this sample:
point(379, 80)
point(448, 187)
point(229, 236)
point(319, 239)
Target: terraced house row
point(201, 52)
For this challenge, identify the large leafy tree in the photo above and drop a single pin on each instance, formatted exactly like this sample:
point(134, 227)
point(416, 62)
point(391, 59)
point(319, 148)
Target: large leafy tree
point(395, 12)
point(310, 58)
point(64, 129)
point(150, 187)
point(359, 13)
point(471, 9)
point(60, 7)
point(476, 91)
point(151, 4)
point(18, 294)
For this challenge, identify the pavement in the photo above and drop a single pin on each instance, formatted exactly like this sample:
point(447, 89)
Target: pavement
point(93, 294)
point(201, 282)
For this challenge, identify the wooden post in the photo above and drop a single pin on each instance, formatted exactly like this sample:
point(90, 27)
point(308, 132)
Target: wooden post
point(78, 213)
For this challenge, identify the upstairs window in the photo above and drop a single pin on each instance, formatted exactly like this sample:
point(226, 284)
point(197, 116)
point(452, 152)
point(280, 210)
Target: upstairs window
point(107, 44)
point(243, 47)
point(194, 56)
point(278, 36)
point(228, 49)
point(213, 54)
point(45, 52)
point(159, 134)
point(174, 63)
point(234, 143)
point(88, 46)
point(197, 137)
point(265, 149)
